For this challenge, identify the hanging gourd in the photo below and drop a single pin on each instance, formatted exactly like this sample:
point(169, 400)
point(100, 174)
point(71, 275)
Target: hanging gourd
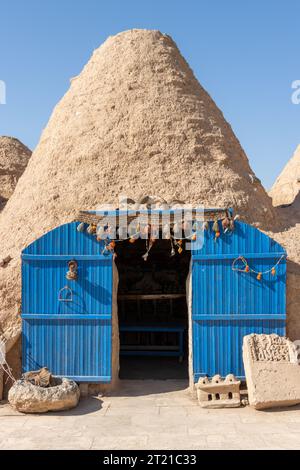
point(215, 226)
point(216, 229)
point(273, 271)
point(72, 274)
point(259, 276)
point(226, 224)
point(100, 230)
point(194, 237)
point(81, 227)
point(247, 269)
point(92, 228)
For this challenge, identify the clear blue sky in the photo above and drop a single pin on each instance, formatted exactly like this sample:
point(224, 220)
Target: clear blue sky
point(245, 53)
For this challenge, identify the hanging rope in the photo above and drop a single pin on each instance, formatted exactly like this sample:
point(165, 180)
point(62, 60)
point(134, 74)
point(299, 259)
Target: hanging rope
point(248, 269)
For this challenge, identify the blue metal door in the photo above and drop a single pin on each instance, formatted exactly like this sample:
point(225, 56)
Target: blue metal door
point(67, 325)
point(229, 304)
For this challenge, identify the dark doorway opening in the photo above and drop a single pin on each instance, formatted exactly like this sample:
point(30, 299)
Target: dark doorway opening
point(152, 310)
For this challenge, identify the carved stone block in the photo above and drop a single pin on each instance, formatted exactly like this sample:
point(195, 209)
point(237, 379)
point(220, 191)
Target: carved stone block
point(219, 393)
point(272, 371)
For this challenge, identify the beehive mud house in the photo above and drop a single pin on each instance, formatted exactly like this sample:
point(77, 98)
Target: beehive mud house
point(137, 122)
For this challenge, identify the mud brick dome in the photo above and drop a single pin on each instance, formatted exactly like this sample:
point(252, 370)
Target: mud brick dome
point(135, 121)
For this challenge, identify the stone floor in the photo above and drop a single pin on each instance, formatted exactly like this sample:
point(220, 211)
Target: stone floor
point(150, 415)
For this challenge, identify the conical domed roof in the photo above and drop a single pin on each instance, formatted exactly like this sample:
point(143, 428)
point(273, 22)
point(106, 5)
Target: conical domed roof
point(14, 157)
point(135, 121)
point(287, 185)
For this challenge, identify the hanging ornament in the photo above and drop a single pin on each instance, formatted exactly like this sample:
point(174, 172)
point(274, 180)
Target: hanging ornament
point(149, 245)
point(247, 269)
point(273, 271)
point(187, 228)
point(231, 225)
point(91, 230)
point(205, 225)
point(179, 242)
point(147, 229)
point(177, 230)
point(72, 274)
point(154, 232)
point(180, 250)
point(226, 224)
point(259, 276)
point(172, 248)
point(100, 230)
point(215, 226)
point(166, 232)
point(194, 237)
point(216, 229)
point(81, 227)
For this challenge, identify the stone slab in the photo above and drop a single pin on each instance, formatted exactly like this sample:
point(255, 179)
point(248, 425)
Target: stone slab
point(272, 379)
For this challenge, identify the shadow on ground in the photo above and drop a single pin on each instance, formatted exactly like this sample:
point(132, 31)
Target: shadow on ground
point(138, 388)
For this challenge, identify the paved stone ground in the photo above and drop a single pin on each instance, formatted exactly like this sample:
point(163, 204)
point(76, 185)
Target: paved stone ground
point(150, 415)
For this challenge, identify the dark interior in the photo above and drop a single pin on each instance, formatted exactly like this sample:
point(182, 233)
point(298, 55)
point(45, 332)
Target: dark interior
point(152, 310)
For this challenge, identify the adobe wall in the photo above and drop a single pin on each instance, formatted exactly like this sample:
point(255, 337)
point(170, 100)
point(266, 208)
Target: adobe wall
point(293, 300)
point(190, 330)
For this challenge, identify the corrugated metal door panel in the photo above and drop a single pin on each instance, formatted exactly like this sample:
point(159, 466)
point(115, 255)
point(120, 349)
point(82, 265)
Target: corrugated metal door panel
point(42, 281)
point(217, 346)
point(227, 305)
point(218, 290)
point(78, 349)
point(244, 239)
point(73, 338)
point(65, 240)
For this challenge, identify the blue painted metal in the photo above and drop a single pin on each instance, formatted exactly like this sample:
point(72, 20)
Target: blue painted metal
point(73, 338)
point(227, 305)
